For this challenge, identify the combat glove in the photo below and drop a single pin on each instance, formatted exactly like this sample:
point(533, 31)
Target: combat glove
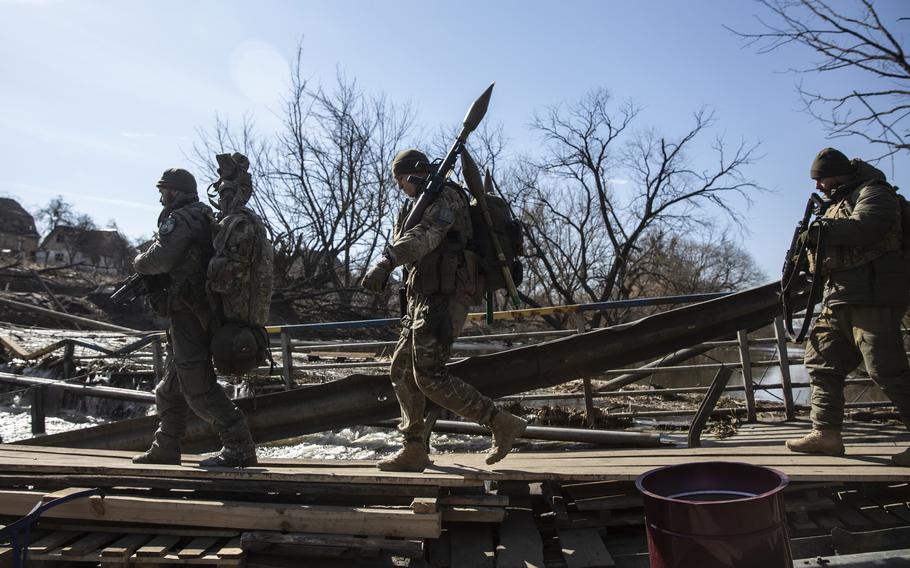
point(378, 275)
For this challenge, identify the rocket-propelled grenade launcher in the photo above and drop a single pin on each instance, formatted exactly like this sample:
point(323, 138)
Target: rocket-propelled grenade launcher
point(440, 172)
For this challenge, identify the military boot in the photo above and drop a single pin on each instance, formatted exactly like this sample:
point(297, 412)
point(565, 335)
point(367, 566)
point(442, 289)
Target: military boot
point(505, 427)
point(164, 450)
point(412, 457)
point(233, 456)
point(828, 442)
point(902, 459)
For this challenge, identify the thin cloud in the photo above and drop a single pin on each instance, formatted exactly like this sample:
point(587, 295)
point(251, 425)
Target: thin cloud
point(134, 134)
point(119, 202)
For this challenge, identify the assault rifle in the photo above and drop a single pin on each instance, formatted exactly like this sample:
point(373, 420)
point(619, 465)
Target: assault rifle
point(440, 171)
point(140, 285)
point(796, 275)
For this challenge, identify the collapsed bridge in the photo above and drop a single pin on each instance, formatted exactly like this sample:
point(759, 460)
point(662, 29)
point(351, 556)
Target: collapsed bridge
point(362, 399)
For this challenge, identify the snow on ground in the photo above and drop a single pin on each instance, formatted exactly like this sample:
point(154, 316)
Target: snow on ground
point(364, 443)
point(16, 423)
point(347, 444)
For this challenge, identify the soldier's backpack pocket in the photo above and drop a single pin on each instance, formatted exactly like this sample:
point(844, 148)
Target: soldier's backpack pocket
point(217, 275)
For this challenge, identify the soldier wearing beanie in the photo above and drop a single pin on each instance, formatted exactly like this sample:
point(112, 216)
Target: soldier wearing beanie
point(182, 249)
point(865, 296)
point(442, 283)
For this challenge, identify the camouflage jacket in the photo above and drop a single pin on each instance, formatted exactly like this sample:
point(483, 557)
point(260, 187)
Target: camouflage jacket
point(862, 261)
point(182, 249)
point(435, 251)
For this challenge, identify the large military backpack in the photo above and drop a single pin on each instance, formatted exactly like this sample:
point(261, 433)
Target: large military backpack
point(502, 224)
point(508, 232)
point(239, 276)
point(240, 284)
point(240, 271)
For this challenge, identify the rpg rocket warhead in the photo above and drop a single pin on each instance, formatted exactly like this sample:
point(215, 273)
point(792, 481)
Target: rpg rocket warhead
point(478, 109)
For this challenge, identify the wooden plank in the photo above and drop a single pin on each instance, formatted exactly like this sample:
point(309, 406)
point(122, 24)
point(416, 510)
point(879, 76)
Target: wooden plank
point(57, 524)
point(872, 510)
point(851, 517)
point(237, 514)
point(310, 490)
point(231, 549)
point(125, 546)
point(52, 541)
point(520, 545)
point(583, 548)
point(6, 556)
point(158, 546)
point(609, 503)
point(48, 497)
point(410, 548)
point(171, 559)
point(423, 505)
point(353, 471)
point(801, 523)
point(91, 542)
point(493, 515)
point(555, 499)
point(843, 470)
point(273, 467)
point(899, 510)
point(475, 500)
point(472, 547)
point(846, 542)
point(597, 489)
point(196, 547)
point(742, 338)
point(13, 347)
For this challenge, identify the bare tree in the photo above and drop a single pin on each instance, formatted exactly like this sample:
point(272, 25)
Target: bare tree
point(600, 189)
point(57, 212)
point(323, 183)
point(846, 38)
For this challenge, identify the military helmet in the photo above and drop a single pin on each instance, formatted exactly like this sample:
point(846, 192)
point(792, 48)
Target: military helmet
point(830, 163)
point(410, 161)
point(178, 179)
point(238, 349)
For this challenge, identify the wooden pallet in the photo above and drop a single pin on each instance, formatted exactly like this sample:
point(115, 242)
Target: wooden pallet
point(134, 549)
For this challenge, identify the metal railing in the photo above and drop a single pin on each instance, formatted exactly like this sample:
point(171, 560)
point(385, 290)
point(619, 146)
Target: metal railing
point(148, 351)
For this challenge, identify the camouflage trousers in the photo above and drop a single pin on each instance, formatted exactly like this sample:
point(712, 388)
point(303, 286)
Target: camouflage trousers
point(843, 337)
point(189, 383)
point(418, 368)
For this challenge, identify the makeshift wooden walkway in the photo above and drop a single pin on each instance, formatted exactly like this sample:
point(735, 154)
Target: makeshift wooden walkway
point(869, 448)
point(577, 509)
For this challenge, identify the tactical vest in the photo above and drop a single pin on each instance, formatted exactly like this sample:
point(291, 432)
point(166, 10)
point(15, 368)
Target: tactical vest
point(451, 268)
point(186, 291)
point(240, 271)
point(838, 258)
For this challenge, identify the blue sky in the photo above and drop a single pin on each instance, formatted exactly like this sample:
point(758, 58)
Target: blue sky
point(99, 97)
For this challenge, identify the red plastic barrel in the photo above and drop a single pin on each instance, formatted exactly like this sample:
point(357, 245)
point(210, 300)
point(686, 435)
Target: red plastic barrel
point(715, 514)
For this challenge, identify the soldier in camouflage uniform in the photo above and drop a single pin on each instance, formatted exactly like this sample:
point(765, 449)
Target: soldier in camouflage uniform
point(442, 282)
point(182, 249)
point(865, 297)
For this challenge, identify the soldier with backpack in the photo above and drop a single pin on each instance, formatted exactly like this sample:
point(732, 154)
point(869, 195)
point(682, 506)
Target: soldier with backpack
point(182, 249)
point(858, 248)
point(443, 281)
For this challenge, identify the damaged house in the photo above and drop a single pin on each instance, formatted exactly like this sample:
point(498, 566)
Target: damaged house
point(101, 250)
point(18, 235)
